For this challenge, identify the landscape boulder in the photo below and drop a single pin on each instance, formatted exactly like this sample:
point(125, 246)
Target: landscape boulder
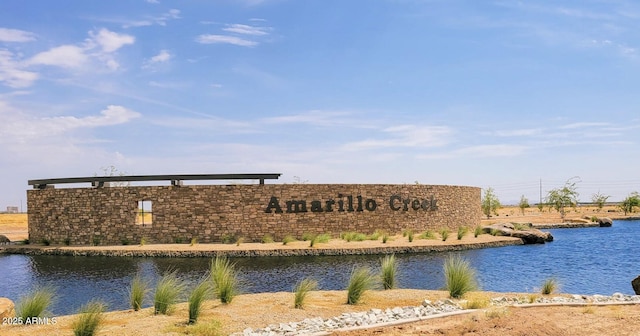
point(605, 222)
point(7, 308)
point(4, 240)
point(528, 236)
point(635, 283)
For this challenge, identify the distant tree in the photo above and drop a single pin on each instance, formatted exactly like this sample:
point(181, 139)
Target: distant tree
point(541, 207)
point(599, 199)
point(524, 203)
point(561, 198)
point(630, 203)
point(113, 171)
point(490, 203)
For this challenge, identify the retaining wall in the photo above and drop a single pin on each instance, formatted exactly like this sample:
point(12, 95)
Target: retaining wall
point(211, 213)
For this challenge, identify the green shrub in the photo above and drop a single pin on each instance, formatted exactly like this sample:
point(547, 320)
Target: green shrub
point(88, 321)
point(266, 239)
point(193, 241)
point(495, 232)
point(360, 281)
point(67, 241)
point(307, 236)
point(323, 238)
point(385, 238)
point(594, 218)
point(549, 286)
point(225, 279)
point(178, 240)
point(96, 240)
point(228, 238)
point(353, 236)
point(410, 235)
point(143, 241)
point(197, 297)
point(478, 231)
point(375, 235)
point(520, 226)
point(124, 241)
point(389, 270)
point(460, 277)
point(301, 290)
point(137, 292)
point(461, 232)
point(35, 304)
point(239, 241)
point(168, 290)
point(288, 239)
point(45, 242)
point(428, 234)
point(444, 233)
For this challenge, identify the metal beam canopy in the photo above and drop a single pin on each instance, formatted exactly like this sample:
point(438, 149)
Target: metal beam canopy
point(176, 180)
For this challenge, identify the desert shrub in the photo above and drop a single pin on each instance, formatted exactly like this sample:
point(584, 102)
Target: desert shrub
point(385, 238)
point(410, 235)
point(460, 277)
point(478, 301)
point(288, 239)
point(88, 321)
point(225, 279)
point(375, 235)
point(137, 292)
point(495, 232)
point(389, 271)
point(428, 234)
point(67, 241)
point(307, 236)
point(444, 233)
point(266, 239)
point(193, 241)
point(461, 232)
point(323, 238)
point(143, 241)
point(197, 297)
point(520, 226)
point(353, 236)
point(228, 238)
point(360, 281)
point(478, 231)
point(124, 241)
point(45, 242)
point(549, 286)
point(36, 303)
point(301, 290)
point(177, 240)
point(239, 241)
point(496, 312)
point(594, 218)
point(168, 290)
point(96, 240)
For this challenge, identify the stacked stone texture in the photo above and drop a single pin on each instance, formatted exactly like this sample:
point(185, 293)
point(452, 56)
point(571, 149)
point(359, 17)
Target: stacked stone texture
point(209, 213)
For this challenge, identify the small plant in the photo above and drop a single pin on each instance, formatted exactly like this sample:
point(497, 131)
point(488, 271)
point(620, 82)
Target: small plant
point(45, 242)
point(444, 233)
point(301, 290)
point(594, 218)
point(178, 240)
point(312, 241)
point(385, 238)
point(225, 279)
point(35, 304)
point(124, 241)
point(410, 235)
point(588, 310)
point(228, 238)
point(375, 235)
point(67, 241)
point(267, 239)
point(389, 270)
point(288, 239)
point(460, 277)
point(193, 241)
point(428, 234)
point(143, 241)
point(197, 297)
point(478, 301)
point(496, 312)
point(532, 298)
point(478, 231)
point(137, 292)
point(360, 281)
point(520, 226)
point(307, 236)
point(96, 240)
point(549, 286)
point(495, 232)
point(323, 238)
point(88, 321)
point(168, 290)
point(404, 232)
point(239, 241)
point(461, 232)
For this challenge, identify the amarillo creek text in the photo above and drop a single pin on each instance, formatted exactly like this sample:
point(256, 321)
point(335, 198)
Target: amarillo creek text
point(350, 203)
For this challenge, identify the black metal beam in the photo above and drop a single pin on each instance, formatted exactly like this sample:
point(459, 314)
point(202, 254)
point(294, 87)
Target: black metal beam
point(100, 180)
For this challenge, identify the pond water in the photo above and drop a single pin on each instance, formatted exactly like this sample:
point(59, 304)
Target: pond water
point(585, 261)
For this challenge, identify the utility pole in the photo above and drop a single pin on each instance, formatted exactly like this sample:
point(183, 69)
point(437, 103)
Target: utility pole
point(540, 191)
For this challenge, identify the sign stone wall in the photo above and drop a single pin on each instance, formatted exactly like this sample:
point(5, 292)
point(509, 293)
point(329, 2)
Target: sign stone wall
point(209, 213)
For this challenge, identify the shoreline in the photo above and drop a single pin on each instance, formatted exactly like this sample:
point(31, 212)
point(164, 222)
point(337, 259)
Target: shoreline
point(251, 250)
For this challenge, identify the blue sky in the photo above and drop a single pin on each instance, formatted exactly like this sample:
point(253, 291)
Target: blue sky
point(500, 94)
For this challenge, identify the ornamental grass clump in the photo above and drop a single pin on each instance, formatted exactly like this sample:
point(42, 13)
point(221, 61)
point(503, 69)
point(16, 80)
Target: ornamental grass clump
point(197, 297)
point(461, 232)
point(460, 277)
point(89, 319)
point(428, 234)
point(288, 239)
point(301, 291)
point(444, 233)
point(549, 286)
point(478, 231)
point(360, 281)
point(35, 305)
point(410, 235)
point(137, 292)
point(389, 271)
point(225, 279)
point(168, 291)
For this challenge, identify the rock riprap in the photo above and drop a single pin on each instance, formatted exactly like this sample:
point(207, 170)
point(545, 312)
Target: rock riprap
point(635, 283)
point(320, 326)
point(528, 235)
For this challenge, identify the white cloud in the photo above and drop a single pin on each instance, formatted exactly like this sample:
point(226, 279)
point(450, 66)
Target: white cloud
point(518, 132)
point(153, 1)
point(12, 73)
point(246, 29)
point(584, 125)
point(111, 41)
point(15, 35)
point(163, 56)
point(219, 39)
point(406, 136)
point(315, 117)
point(480, 151)
point(66, 56)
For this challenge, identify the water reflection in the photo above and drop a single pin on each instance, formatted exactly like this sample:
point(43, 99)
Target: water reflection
point(580, 259)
